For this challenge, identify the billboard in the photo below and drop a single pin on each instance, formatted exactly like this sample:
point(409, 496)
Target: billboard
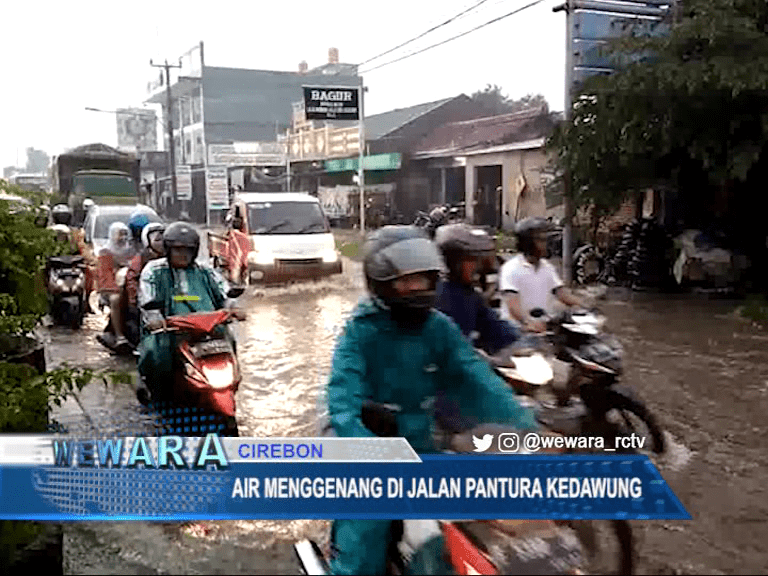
point(331, 103)
point(136, 129)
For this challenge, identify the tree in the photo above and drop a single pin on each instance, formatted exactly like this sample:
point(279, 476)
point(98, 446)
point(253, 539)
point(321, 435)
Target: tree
point(37, 161)
point(692, 114)
point(492, 98)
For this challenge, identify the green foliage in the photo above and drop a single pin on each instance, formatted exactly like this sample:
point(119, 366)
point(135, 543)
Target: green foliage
point(497, 102)
point(699, 101)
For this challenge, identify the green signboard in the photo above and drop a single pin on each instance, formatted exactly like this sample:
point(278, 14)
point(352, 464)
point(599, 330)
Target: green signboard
point(375, 162)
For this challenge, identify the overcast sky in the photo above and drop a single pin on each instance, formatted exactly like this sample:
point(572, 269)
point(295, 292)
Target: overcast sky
point(59, 57)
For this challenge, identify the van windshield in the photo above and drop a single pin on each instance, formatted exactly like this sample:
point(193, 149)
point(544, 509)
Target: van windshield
point(286, 218)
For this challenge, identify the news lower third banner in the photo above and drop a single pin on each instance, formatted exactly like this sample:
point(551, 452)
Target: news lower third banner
point(210, 478)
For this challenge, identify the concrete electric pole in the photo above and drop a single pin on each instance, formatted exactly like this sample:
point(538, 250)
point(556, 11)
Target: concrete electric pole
point(169, 123)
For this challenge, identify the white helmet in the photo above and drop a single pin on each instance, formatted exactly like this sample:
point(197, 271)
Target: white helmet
point(148, 229)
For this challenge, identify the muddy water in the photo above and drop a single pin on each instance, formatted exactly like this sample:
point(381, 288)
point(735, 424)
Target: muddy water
point(703, 372)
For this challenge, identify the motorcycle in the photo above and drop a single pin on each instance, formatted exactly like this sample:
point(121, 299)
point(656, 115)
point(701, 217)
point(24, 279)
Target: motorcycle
point(470, 547)
point(596, 365)
point(66, 290)
point(207, 373)
point(439, 216)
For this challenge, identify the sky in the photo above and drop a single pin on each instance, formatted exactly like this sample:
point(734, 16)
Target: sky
point(60, 57)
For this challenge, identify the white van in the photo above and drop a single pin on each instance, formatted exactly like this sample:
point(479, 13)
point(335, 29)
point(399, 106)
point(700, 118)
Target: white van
point(290, 236)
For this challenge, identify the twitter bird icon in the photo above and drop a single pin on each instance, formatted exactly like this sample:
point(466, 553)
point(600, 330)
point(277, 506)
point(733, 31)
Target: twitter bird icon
point(482, 444)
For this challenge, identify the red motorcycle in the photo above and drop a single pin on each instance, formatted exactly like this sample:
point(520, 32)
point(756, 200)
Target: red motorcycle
point(207, 373)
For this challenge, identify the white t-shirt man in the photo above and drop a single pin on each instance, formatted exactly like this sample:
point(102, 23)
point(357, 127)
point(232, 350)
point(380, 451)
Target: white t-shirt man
point(535, 285)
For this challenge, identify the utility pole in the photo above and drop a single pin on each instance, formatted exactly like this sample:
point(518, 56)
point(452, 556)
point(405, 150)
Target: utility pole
point(360, 169)
point(568, 207)
point(169, 124)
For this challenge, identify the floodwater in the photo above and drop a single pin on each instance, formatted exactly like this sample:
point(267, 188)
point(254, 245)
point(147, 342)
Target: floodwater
point(702, 371)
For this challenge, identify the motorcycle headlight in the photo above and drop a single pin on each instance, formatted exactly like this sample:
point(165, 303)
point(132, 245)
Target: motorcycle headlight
point(60, 282)
point(220, 376)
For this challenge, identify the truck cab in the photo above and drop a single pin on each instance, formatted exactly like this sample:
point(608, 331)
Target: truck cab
point(288, 237)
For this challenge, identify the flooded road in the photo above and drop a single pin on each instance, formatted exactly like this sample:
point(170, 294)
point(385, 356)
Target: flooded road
point(702, 371)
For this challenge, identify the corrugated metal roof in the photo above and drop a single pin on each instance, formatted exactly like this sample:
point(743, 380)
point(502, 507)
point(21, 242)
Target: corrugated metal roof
point(379, 125)
point(450, 152)
point(484, 133)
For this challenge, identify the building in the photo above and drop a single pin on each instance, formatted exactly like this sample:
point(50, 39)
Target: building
point(232, 117)
point(496, 164)
point(324, 156)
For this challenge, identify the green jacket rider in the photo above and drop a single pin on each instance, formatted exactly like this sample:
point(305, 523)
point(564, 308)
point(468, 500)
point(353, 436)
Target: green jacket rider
point(178, 285)
point(397, 350)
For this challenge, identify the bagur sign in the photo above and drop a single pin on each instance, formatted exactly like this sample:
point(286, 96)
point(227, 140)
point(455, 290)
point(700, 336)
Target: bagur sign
point(331, 103)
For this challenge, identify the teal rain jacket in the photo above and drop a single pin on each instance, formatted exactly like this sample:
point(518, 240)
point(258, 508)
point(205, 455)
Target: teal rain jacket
point(179, 292)
point(375, 360)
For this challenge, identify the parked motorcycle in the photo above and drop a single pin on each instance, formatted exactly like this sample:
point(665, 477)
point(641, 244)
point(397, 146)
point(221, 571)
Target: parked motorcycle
point(207, 373)
point(66, 290)
point(439, 216)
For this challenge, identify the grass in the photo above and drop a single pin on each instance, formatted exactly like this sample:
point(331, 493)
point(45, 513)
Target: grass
point(349, 243)
point(755, 309)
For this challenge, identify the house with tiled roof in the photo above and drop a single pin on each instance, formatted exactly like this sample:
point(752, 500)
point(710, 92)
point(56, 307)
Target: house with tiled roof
point(496, 164)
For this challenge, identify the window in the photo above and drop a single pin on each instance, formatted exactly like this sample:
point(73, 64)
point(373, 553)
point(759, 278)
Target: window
point(286, 218)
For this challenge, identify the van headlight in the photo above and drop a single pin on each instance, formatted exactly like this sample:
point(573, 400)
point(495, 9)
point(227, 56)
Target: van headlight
point(330, 256)
point(261, 257)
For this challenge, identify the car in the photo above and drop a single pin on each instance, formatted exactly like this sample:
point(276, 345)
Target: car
point(101, 217)
point(288, 238)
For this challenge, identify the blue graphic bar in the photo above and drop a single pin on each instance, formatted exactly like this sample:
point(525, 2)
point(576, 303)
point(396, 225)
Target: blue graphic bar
point(575, 487)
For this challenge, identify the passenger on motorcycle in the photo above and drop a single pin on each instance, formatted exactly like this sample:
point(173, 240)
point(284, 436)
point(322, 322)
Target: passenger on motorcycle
point(397, 350)
point(85, 250)
point(116, 255)
point(136, 225)
point(152, 241)
point(464, 248)
point(169, 286)
point(529, 281)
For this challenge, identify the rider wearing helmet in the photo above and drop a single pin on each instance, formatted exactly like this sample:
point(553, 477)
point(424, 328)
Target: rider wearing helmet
point(529, 280)
point(152, 241)
point(396, 350)
point(463, 248)
point(136, 225)
point(174, 285)
point(61, 214)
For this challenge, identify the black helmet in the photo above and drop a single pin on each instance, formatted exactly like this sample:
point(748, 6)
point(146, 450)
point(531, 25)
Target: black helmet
point(459, 241)
point(181, 235)
point(526, 229)
point(392, 252)
point(61, 214)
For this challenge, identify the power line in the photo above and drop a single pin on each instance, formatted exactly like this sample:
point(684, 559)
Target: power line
point(454, 37)
point(451, 19)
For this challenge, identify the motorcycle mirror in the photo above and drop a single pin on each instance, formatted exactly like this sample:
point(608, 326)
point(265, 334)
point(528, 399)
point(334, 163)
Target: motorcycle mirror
point(537, 313)
point(152, 306)
point(235, 292)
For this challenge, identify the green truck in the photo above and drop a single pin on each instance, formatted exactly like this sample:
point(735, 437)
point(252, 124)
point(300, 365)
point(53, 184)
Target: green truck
point(99, 172)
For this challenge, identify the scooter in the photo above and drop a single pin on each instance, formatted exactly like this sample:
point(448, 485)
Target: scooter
point(207, 372)
point(471, 547)
point(66, 290)
point(596, 364)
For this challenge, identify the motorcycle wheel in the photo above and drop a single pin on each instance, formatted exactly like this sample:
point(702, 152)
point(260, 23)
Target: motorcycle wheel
point(609, 545)
point(636, 417)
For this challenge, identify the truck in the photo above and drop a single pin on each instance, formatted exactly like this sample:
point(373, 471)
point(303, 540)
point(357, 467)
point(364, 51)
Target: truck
point(99, 172)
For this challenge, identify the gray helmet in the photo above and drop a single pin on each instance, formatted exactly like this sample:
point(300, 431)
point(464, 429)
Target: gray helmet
point(61, 214)
point(527, 228)
point(459, 241)
point(181, 235)
point(396, 251)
